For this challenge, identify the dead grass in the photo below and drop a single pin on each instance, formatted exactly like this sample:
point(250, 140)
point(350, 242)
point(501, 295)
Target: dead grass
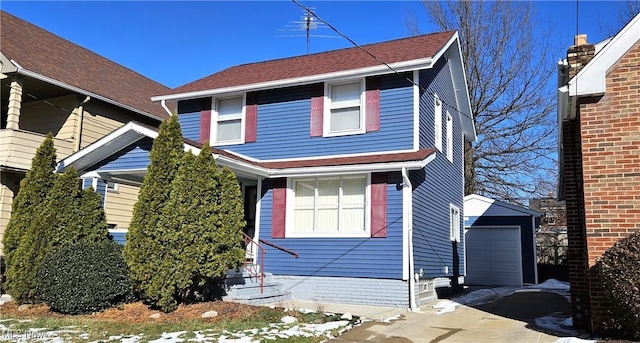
point(140, 313)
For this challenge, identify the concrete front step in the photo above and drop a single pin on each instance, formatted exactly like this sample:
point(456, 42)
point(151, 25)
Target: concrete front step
point(244, 287)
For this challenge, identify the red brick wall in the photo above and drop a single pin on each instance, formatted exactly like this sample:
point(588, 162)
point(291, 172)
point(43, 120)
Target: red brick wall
point(577, 248)
point(610, 128)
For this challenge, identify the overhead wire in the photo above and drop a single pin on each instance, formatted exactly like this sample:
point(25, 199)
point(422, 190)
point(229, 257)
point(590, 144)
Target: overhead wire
point(310, 11)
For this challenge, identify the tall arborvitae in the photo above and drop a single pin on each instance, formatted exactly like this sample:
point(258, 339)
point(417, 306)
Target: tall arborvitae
point(144, 243)
point(31, 196)
point(69, 215)
point(204, 228)
point(228, 241)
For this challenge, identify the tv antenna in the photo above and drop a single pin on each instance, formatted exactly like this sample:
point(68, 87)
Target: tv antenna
point(306, 23)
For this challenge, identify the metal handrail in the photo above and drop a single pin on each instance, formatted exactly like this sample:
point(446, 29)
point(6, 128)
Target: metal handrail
point(273, 245)
point(248, 241)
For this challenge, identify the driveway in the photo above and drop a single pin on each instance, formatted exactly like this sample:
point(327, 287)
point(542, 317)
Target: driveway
point(507, 315)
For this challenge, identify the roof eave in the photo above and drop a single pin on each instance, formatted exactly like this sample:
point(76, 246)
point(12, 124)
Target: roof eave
point(55, 82)
point(453, 52)
point(352, 168)
point(423, 63)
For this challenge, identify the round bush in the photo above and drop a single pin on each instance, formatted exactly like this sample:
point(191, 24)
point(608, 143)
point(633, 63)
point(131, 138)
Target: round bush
point(619, 269)
point(84, 277)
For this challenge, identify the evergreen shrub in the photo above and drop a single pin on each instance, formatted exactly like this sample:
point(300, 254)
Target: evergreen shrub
point(84, 277)
point(619, 269)
point(30, 199)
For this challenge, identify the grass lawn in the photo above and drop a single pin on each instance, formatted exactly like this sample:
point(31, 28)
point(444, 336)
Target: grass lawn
point(133, 323)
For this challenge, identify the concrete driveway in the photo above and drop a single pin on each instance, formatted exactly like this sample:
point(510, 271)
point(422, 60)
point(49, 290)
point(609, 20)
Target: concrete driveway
point(507, 319)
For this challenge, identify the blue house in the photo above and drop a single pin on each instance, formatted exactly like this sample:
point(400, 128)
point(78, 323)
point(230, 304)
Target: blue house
point(351, 169)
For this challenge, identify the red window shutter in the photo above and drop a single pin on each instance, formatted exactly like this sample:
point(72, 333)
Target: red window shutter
point(279, 208)
point(205, 120)
point(251, 117)
point(378, 205)
point(317, 109)
point(372, 107)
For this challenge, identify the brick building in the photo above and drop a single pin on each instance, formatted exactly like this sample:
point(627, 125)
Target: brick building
point(599, 118)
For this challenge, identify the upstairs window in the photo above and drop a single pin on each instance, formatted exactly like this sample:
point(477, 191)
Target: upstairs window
point(344, 113)
point(229, 120)
point(438, 123)
point(449, 137)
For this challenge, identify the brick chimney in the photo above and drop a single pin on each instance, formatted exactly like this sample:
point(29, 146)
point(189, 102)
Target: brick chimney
point(579, 54)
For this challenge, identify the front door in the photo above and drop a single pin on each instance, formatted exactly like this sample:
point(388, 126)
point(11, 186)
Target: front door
point(250, 199)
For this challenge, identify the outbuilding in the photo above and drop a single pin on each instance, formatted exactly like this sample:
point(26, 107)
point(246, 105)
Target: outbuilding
point(500, 244)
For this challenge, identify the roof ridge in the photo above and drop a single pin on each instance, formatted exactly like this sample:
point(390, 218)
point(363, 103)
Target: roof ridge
point(341, 49)
point(319, 63)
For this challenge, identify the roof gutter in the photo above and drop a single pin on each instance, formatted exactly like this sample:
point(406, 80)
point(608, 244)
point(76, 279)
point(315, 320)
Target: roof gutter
point(424, 63)
point(55, 82)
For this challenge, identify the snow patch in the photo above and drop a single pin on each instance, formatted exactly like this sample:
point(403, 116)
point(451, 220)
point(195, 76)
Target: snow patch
point(445, 306)
point(574, 340)
point(555, 323)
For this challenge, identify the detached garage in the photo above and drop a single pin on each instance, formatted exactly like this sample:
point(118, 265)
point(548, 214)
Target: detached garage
point(500, 244)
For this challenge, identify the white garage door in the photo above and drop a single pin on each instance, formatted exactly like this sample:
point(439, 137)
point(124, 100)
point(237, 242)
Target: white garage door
point(493, 256)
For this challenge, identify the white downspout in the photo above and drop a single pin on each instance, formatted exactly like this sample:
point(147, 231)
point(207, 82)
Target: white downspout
point(163, 102)
point(408, 212)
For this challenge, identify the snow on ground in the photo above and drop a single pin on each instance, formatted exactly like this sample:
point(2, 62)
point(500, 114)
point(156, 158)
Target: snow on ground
point(574, 340)
point(265, 334)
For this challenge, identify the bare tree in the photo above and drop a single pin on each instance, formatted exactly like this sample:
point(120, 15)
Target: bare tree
point(509, 68)
point(626, 11)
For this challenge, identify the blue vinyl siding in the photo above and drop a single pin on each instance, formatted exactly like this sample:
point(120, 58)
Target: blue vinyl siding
point(86, 183)
point(439, 184)
point(102, 190)
point(346, 257)
point(133, 157)
point(190, 125)
point(526, 239)
point(189, 118)
point(101, 187)
point(284, 118)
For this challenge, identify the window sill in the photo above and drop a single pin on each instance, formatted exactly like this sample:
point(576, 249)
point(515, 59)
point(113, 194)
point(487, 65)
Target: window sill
point(343, 133)
point(327, 235)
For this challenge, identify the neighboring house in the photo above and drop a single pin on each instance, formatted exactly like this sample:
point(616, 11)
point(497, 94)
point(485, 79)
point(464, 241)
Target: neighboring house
point(52, 85)
point(551, 235)
point(500, 242)
point(353, 167)
point(598, 114)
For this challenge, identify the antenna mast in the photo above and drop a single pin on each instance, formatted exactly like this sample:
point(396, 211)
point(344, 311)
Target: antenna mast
point(307, 23)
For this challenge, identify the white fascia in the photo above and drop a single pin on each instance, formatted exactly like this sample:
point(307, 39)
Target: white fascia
point(591, 80)
point(242, 167)
point(461, 89)
point(423, 63)
point(82, 91)
point(94, 146)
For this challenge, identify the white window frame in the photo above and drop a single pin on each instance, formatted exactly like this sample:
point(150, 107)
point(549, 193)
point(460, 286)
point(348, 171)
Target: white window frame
point(437, 122)
point(114, 188)
point(328, 107)
point(454, 223)
point(449, 137)
point(290, 218)
point(215, 120)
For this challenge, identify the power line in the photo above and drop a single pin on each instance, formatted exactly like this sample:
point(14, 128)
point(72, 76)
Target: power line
point(310, 11)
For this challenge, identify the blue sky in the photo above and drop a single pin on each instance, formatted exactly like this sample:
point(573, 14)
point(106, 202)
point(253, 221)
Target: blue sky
point(177, 42)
